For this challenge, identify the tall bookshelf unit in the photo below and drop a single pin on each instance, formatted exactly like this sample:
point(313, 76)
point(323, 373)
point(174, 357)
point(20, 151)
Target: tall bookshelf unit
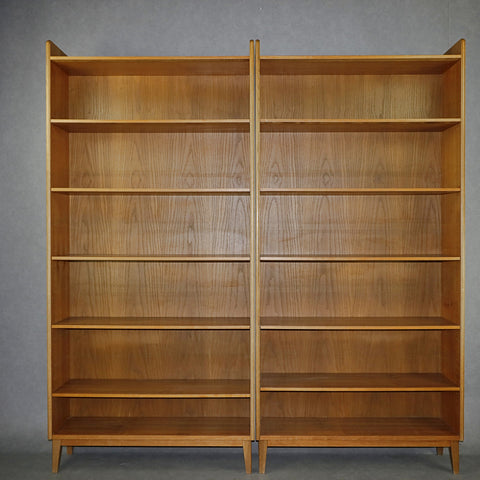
point(360, 257)
point(150, 262)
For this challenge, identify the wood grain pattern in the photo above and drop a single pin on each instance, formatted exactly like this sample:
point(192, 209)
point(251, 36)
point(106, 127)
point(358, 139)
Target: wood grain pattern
point(149, 66)
point(142, 97)
point(158, 355)
point(153, 225)
point(306, 125)
point(357, 65)
point(188, 427)
point(364, 431)
point(353, 96)
point(132, 160)
point(357, 323)
point(157, 407)
point(128, 388)
point(360, 225)
point(370, 405)
point(154, 323)
point(347, 289)
point(359, 382)
point(351, 160)
point(344, 352)
point(152, 126)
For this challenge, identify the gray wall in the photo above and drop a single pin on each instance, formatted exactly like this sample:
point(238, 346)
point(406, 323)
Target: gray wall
point(184, 27)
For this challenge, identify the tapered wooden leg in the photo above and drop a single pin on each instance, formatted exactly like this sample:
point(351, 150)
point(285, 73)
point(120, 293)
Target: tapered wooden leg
point(56, 454)
point(247, 455)
point(439, 450)
point(262, 455)
point(455, 457)
point(69, 450)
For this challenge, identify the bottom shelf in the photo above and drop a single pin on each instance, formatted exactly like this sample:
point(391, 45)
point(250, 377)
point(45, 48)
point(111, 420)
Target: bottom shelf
point(369, 431)
point(158, 428)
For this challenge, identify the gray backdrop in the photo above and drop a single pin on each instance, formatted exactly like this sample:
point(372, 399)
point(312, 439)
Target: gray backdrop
point(184, 27)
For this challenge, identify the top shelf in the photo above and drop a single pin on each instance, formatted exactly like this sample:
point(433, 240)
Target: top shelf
point(357, 65)
point(152, 66)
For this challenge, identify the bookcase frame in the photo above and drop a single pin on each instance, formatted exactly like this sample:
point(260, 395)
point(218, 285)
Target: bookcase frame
point(360, 251)
point(150, 256)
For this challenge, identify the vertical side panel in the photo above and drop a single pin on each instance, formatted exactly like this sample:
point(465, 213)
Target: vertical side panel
point(252, 240)
point(257, 236)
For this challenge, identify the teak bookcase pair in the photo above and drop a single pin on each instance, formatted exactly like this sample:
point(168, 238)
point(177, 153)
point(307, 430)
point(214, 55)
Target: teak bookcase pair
point(256, 248)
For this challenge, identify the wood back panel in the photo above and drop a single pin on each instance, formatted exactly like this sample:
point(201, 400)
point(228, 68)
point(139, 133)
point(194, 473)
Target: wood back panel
point(354, 404)
point(151, 225)
point(354, 96)
point(357, 225)
point(158, 97)
point(155, 355)
point(150, 289)
point(347, 289)
point(158, 160)
point(347, 352)
point(352, 160)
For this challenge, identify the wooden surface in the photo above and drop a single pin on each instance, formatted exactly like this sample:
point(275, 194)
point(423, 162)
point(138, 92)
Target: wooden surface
point(360, 382)
point(144, 160)
point(357, 65)
point(158, 354)
point(163, 226)
point(154, 323)
point(163, 191)
point(139, 428)
point(358, 258)
point(151, 126)
point(106, 388)
point(152, 66)
point(357, 323)
point(151, 258)
point(354, 160)
point(303, 125)
point(364, 431)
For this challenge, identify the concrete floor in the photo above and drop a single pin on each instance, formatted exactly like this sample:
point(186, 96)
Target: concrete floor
point(227, 464)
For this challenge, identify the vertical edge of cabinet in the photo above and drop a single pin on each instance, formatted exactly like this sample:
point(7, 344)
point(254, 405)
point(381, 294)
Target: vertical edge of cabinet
point(257, 241)
point(251, 73)
point(50, 50)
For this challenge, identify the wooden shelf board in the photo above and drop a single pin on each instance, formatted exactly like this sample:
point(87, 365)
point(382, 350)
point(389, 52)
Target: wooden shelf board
point(154, 323)
point(356, 382)
point(98, 66)
point(357, 191)
point(357, 65)
point(361, 429)
point(152, 126)
point(157, 427)
point(140, 258)
point(357, 258)
point(357, 125)
point(126, 388)
point(151, 191)
point(356, 323)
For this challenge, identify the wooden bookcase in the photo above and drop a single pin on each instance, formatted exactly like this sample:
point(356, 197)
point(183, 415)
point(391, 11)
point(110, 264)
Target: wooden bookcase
point(150, 262)
point(360, 257)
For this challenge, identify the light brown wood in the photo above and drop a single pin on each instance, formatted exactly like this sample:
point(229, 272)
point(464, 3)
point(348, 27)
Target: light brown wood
point(247, 455)
point(69, 450)
point(302, 125)
point(151, 256)
point(151, 66)
point(356, 323)
point(358, 382)
point(455, 457)
point(262, 455)
point(360, 246)
point(440, 451)
point(358, 64)
point(154, 323)
point(133, 388)
point(151, 126)
point(56, 454)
